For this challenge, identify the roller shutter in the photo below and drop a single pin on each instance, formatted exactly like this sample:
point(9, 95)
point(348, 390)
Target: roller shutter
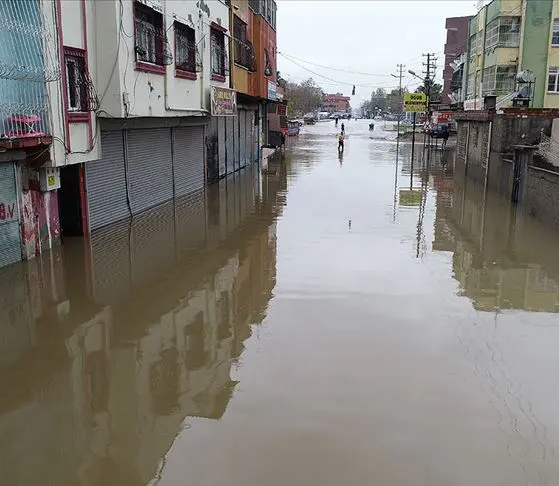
point(150, 167)
point(106, 183)
point(221, 146)
point(10, 235)
point(188, 164)
point(229, 144)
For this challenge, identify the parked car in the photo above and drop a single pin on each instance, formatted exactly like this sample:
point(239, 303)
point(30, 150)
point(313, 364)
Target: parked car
point(440, 130)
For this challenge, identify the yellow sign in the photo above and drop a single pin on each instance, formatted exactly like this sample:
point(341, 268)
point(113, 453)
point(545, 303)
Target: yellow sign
point(51, 181)
point(415, 102)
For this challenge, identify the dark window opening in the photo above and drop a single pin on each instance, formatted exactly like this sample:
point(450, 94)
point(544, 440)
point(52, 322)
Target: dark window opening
point(244, 53)
point(218, 54)
point(76, 80)
point(150, 35)
point(185, 48)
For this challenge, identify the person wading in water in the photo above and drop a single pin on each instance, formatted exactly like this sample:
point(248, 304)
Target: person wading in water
point(341, 142)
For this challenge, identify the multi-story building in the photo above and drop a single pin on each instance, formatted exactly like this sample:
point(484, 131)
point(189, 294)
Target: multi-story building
point(234, 141)
point(456, 43)
point(336, 103)
point(508, 37)
point(110, 108)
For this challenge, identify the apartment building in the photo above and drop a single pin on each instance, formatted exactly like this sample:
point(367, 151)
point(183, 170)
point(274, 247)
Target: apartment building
point(110, 108)
point(508, 37)
point(336, 103)
point(456, 42)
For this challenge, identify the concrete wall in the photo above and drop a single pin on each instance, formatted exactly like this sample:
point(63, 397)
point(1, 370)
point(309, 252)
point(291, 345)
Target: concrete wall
point(541, 195)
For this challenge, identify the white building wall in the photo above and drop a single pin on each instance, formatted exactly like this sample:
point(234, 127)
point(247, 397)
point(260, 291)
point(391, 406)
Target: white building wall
point(129, 92)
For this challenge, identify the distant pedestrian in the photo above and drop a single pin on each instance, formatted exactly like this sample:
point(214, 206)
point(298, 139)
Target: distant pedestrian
point(341, 142)
point(336, 121)
point(343, 129)
point(446, 134)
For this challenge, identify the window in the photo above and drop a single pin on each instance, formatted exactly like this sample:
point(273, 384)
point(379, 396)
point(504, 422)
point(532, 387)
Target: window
point(480, 43)
point(185, 50)
point(553, 80)
point(76, 80)
point(499, 79)
point(254, 5)
point(470, 86)
point(555, 33)
point(244, 55)
point(274, 11)
point(503, 32)
point(218, 54)
point(150, 35)
point(268, 11)
point(473, 45)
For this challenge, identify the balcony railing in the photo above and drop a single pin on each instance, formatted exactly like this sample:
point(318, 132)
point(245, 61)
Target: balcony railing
point(27, 63)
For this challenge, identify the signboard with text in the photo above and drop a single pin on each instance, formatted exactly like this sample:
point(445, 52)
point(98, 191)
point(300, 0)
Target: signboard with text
point(223, 101)
point(415, 102)
point(272, 94)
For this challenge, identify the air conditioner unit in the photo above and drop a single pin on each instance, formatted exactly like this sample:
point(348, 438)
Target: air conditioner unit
point(49, 178)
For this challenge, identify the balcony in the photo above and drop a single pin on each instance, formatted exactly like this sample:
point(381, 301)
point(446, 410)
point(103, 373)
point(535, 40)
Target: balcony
point(26, 66)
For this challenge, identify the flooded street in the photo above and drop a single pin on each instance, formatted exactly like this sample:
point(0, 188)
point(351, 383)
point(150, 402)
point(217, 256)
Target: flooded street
point(344, 320)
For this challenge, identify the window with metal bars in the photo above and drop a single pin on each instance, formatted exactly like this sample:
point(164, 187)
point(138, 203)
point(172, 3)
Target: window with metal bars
point(473, 45)
point(185, 48)
point(555, 33)
point(553, 80)
point(244, 55)
point(218, 54)
point(79, 88)
point(503, 32)
point(150, 35)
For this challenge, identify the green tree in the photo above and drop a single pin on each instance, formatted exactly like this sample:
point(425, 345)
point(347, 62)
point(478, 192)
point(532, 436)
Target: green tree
point(435, 89)
point(303, 97)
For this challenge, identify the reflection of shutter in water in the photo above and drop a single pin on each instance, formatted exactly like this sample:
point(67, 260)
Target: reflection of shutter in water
point(97, 373)
point(164, 383)
point(195, 352)
point(224, 327)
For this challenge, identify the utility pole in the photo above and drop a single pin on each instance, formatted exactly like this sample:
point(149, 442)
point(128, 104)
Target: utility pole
point(429, 72)
point(401, 69)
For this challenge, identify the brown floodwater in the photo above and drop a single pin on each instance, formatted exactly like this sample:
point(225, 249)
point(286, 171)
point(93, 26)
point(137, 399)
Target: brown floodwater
point(355, 320)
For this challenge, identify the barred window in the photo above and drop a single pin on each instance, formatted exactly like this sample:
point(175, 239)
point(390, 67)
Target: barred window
point(505, 79)
point(553, 80)
point(503, 32)
point(149, 34)
point(244, 55)
point(185, 48)
point(473, 45)
point(218, 55)
point(555, 33)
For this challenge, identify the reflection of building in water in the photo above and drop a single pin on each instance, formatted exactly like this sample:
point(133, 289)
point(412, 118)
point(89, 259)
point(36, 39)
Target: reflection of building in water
point(98, 395)
point(498, 254)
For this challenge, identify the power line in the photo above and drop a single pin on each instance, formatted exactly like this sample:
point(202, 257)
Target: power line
point(326, 77)
point(329, 67)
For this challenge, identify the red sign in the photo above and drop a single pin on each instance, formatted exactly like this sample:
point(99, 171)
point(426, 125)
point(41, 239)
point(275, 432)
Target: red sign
point(8, 211)
point(441, 117)
point(282, 110)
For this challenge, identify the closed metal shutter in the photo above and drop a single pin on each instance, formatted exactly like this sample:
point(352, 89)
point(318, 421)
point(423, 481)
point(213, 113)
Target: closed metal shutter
point(229, 144)
point(221, 146)
point(242, 137)
point(248, 136)
point(236, 142)
point(188, 164)
point(10, 235)
point(150, 167)
point(106, 183)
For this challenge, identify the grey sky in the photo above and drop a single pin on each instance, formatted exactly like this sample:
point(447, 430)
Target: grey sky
point(370, 36)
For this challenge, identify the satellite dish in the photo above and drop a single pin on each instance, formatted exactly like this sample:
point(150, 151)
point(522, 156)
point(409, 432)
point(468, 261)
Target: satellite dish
point(525, 77)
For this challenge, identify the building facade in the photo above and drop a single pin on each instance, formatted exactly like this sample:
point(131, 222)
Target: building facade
point(508, 37)
point(336, 103)
point(456, 43)
point(110, 108)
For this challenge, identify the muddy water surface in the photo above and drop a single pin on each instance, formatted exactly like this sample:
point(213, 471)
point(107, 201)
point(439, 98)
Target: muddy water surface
point(345, 320)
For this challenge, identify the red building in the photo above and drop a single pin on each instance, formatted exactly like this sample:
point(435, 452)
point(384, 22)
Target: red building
point(333, 103)
point(456, 43)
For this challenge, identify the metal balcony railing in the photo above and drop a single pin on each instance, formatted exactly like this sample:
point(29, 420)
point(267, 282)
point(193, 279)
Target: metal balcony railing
point(27, 63)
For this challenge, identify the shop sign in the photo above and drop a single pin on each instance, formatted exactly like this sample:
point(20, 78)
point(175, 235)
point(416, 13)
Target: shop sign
point(223, 101)
point(415, 102)
point(272, 92)
point(475, 104)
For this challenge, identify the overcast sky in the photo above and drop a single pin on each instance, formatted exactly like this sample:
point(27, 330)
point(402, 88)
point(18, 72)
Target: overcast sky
point(369, 36)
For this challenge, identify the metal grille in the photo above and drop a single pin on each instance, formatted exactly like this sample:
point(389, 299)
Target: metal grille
point(221, 146)
point(10, 236)
point(236, 147)
point(188, 164)
point(229, 145)
point(150, 167)
point(242, 137)
point(106, 183)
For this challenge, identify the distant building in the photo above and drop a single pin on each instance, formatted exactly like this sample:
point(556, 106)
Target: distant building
point(334, 103)
point(456, 44)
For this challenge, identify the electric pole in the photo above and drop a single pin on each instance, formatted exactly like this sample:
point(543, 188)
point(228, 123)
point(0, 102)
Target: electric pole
point(400, 102)
point(429, 72)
